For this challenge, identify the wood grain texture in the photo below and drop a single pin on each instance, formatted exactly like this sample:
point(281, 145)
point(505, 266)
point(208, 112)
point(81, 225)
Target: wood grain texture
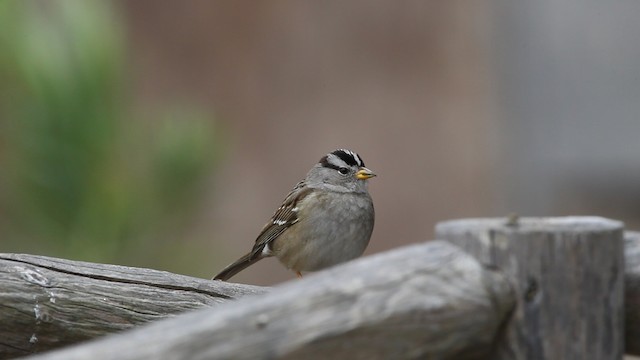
point(430, 301)
point(632, 292)
point(47, 302)
point(568, 275)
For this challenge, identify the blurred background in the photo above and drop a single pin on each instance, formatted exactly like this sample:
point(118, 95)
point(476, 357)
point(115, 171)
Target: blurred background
point(165, 134)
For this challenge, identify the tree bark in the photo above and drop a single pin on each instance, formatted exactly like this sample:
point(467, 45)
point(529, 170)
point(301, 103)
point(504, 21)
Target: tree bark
point(568, 275)
point(47, 302)
point(632, 292)
point(430, 300)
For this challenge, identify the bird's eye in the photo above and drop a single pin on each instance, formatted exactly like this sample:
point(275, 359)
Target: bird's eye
point(343, 170)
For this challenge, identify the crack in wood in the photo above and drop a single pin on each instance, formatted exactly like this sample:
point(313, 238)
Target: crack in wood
point(119, 280)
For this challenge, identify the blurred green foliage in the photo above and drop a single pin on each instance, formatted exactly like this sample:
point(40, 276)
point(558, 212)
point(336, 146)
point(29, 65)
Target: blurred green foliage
point(80, 176)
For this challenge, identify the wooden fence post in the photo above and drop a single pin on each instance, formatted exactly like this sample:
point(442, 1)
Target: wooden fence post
point(47, 303)
point(632, 292)
point(568, 275)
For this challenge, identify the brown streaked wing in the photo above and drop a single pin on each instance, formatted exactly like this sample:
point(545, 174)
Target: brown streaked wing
point(283, 218)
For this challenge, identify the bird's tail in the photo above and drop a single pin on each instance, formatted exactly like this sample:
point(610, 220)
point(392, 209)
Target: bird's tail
point(237, 266)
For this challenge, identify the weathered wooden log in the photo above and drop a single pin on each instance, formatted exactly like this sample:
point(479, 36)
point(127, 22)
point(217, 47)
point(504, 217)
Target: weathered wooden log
point(48, 302)
point(568, 276)
point(632, 292)
point(430, 300)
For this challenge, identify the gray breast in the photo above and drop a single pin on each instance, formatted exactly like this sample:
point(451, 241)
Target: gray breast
point(330, 234)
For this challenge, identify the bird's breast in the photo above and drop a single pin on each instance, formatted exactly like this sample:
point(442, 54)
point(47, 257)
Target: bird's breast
point(336, 230)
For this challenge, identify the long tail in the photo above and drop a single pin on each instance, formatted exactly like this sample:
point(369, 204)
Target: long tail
point(237, 266)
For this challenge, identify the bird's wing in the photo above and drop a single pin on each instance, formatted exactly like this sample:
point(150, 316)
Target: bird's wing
point(282, 219)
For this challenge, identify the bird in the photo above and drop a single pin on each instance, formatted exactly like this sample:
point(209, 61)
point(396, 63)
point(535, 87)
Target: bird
point(326, 219)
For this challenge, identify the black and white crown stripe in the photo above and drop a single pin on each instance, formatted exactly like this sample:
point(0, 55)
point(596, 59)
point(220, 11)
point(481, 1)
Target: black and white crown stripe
point(348, 157)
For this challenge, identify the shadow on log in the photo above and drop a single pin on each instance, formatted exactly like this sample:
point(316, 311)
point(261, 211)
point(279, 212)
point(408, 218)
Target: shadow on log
point(430, 300)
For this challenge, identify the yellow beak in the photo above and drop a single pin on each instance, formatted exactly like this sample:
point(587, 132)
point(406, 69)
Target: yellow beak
point(364, 174)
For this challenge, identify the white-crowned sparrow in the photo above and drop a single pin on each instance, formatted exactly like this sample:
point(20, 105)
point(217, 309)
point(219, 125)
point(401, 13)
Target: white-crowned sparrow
point(325, 220)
